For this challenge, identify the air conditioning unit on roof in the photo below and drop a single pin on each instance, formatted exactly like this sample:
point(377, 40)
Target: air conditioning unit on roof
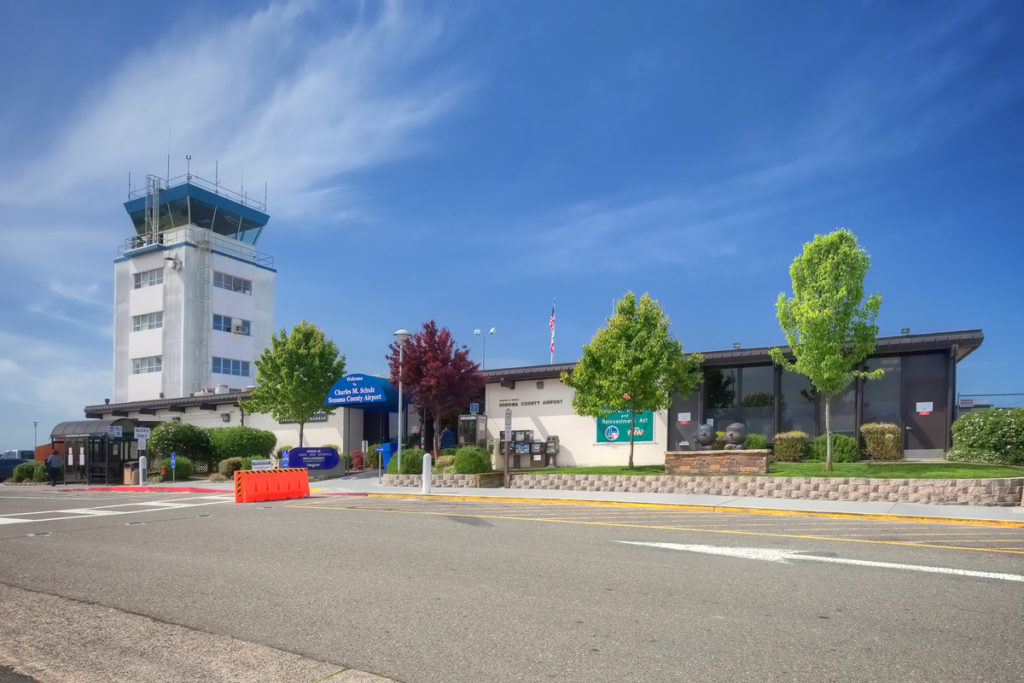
point(237, 326)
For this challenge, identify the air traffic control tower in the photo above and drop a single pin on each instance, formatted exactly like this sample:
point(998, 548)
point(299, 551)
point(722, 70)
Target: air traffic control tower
point(193, 299)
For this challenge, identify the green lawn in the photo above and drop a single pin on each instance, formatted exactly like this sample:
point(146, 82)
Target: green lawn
point(894, 470)
point(877, 470)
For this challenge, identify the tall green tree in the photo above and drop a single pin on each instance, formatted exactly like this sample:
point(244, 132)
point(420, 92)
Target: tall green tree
point(633, 363)
point(294, 375)
point(829, 326)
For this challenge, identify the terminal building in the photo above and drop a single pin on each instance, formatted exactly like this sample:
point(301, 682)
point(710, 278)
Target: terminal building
point(918, 393)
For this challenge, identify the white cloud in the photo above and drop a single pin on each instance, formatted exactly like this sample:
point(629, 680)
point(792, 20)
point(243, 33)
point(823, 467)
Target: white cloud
point(263, 96)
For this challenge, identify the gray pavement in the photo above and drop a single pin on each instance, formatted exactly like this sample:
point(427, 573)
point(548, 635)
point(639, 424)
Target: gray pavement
point(367, 483)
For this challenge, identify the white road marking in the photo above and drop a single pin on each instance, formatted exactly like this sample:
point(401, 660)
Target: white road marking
point(783, 556)
point(108, 510)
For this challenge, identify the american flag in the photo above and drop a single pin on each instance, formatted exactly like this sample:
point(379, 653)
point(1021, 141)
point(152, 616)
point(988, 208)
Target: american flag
point(551, 324)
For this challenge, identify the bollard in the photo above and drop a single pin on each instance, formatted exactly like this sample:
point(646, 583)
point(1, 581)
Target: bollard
point(142, 470)
point(426, 472)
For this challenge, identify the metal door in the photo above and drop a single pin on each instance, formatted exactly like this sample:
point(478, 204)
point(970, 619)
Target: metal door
point(925, 388)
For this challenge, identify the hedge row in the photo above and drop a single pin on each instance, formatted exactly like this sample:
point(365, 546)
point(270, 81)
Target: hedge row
point(881, 442)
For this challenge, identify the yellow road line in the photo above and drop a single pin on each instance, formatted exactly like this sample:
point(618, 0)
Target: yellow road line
point(664, 528)
point(706, 508)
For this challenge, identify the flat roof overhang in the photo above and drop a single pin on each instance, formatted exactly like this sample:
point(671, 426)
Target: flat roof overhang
point(961, 342)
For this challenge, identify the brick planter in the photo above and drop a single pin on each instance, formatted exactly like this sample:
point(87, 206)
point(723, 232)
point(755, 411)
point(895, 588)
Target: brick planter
point(717, 462)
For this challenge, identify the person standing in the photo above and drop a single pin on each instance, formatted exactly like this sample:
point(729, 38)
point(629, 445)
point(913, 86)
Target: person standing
point(447, 438)
point(53, 464)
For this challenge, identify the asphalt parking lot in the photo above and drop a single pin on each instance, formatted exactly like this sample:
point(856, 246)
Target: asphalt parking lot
point(949, 536)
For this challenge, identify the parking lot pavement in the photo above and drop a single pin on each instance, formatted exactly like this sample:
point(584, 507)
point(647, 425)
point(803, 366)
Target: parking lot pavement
point(948, 536)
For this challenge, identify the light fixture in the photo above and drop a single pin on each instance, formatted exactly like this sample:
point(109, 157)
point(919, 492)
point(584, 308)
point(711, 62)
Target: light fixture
point(226, 417)
point(402, 335)
point(483, 356)
point(172, 262)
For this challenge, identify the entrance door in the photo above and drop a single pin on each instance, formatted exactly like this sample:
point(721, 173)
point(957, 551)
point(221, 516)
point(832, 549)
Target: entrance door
point(924, 394)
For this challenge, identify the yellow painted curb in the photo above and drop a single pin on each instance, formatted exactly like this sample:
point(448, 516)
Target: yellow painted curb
point(707, 508)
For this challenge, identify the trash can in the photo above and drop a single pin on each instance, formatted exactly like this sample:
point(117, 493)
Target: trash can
point(131, 473)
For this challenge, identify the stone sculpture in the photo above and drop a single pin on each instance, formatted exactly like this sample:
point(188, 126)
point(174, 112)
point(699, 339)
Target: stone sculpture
point(704, 437)
point(735, 435)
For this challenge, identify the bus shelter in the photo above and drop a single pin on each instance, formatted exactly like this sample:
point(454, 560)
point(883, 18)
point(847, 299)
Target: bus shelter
point(94, 451)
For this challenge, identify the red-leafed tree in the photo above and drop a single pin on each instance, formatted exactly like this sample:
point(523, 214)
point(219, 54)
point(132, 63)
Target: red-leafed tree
point(436, 374)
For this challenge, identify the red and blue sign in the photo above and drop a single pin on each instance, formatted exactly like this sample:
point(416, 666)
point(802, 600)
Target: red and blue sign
point(313, 458)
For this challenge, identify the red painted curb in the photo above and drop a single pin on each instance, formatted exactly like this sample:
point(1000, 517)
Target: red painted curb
point(159, 489)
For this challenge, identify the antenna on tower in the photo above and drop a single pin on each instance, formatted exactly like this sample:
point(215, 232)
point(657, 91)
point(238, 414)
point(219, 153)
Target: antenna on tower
point(188, 167)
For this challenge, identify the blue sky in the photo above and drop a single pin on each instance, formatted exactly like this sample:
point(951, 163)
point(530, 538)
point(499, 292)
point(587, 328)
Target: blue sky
point(469, 161)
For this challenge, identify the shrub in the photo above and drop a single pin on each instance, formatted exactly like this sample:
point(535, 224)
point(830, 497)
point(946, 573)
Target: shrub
point(332, 445)
point(756, 441)
point(280, 451)
point(217, 476)
point(412, 462)
point(347, 457)
point(371, 458)
point(444, 464)
point(247, 462)
point(182, 467)
point(791, 446)
point(227, 467)
point(357, 460)
point(994, 435)
point(844, 448)
point(29, 471)
point(719, 442)
point(471, 460)
point(182, 439)
point(882, 441)
point(449, 451)
point(235, 442)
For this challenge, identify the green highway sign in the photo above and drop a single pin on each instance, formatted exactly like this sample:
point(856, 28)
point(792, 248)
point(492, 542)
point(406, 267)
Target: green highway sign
point(615, 428)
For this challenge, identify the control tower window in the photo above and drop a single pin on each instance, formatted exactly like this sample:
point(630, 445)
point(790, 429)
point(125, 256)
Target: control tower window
point(149, 278)
point(232, 283)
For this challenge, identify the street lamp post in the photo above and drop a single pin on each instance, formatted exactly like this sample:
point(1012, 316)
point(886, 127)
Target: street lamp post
point(483, 357)
point(402, 335)
point(35, 436)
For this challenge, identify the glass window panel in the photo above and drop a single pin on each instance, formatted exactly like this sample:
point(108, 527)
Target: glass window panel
point(843, 412)
point(756, 389)
point(720, 390)
point(882, 396)
point(798, 404)
point(202, 213)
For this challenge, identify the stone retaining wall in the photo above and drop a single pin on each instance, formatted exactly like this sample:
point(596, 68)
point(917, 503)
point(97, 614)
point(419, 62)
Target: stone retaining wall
point(1002, 492)
point(488, 480)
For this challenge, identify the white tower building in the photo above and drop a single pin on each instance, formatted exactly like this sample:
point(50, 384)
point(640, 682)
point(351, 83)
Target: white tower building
point(193, 299)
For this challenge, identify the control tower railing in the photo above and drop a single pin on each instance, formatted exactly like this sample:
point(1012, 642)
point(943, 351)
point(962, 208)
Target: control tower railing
point(242, 197)
point(193, 235)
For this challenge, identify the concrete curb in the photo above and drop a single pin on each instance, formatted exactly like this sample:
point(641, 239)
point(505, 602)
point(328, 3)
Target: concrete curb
point(710, 508)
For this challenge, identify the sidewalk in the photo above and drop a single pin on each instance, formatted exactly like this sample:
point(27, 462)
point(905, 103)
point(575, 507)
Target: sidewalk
point(365, 483)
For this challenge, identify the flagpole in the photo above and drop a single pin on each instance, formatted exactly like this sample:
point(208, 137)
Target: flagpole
point(551, 360)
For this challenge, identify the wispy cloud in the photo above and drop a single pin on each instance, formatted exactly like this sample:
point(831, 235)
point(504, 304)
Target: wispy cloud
point(290, 95)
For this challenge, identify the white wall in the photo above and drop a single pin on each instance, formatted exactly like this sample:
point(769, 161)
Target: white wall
point(548, 412)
